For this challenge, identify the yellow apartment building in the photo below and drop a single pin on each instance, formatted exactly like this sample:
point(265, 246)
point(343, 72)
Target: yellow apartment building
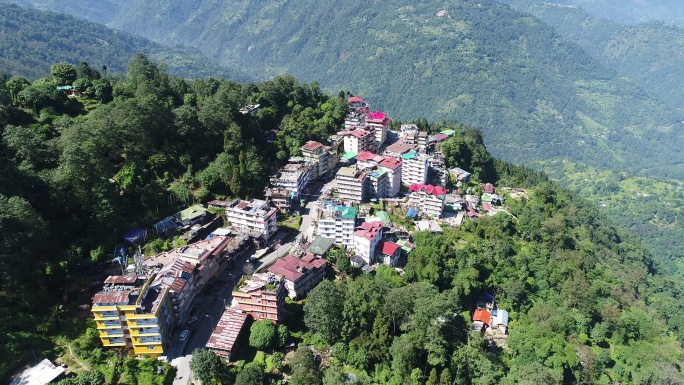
point(132, 313)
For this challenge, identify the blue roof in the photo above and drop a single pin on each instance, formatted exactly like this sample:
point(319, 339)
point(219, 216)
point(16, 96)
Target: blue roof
point(412, 213)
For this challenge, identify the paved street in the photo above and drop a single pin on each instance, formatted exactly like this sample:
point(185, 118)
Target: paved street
point(208, 314)
point(212, 303)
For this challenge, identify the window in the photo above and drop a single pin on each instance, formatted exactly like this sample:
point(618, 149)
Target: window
point(151, 347)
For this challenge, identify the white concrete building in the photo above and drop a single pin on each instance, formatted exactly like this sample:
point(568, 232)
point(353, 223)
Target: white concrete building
point(379, 121)
point(337, 223)
point(351, 184)
point(358, 141)
point(252, 217)
point(366, 239)
point(317, 153)
point(427, 199)
point(296, 176)
point(393, 168)
point(415, 168)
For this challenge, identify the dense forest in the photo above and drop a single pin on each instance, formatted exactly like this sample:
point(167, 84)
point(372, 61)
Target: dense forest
point(651, 208)
point(34, 40)
point(534, 95)
point(631, 11)
point(588, 304)
point(76, 173)
point(651, 54)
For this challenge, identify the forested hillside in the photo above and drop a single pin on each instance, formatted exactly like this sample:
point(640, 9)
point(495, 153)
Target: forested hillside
point(588, 303)
point(31, 41)
point(632, 11)
point(651, 54)
point(534, 95)
point(76, 173)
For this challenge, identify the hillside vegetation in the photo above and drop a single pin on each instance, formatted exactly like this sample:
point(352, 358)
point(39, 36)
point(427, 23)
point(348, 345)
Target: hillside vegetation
point(632, 11)
point(534, 95)
point(588, 304)
point(31, 41)
point(651, 54)
point(650, 207)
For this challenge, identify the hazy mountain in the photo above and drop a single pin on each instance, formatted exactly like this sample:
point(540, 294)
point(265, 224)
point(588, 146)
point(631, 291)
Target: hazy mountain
point(33, 40)
point(535, 95)
point(652, 54)
point(631, 11)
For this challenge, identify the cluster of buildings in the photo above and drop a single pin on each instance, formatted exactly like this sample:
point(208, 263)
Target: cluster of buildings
point(139, 308)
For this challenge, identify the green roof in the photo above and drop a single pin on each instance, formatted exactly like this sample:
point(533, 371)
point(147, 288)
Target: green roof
point(409, 155)
point(380, 216)
point(64, 88)
point(349, 155)
point(402, 243)
point(347, 212)
point(448, 132)
point(191, 212)
point(320, 245)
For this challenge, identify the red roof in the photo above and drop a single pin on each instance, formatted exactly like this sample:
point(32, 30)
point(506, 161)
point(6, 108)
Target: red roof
point(365, 155)
point(293, 268)
point(227, 331)
point(369, 230)
point(440, 137)
point(482, 315)
point(489, 188)
point(377, 115)
point(358, 133)
point(486, 206)
point(428, 189)
point(355, 99)
point(387, 247)
point(121, 279)
point(311, 145)
point(392, 163)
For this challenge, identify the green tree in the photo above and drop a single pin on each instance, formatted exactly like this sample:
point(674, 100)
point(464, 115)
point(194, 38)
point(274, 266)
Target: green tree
point(262, 334)
point(251, 374)
point(63, 73)
point(207, 366)
point(305, 370)
point(323, 311)
point(432, 378)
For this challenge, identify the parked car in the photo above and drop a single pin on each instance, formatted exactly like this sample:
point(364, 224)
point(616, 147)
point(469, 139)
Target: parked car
point(184, 334)
point(192, 320)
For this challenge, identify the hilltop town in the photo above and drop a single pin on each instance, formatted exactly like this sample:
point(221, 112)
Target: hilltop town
point(359, 197)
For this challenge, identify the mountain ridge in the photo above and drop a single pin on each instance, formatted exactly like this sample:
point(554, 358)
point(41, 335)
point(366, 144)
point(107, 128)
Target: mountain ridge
point(35, 39)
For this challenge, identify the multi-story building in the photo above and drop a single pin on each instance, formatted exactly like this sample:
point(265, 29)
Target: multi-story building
point(366, 239)
point(317, 153)
point(414, 169)
point(301, 274)
point(351, 184)
point(208, 256)
point(357, 104)
point(399, 148)
point(379, 121)
point(295, 177)
point(262, 296)
point(133, 313)
point(378, 183)
point(180, 277)
point(355, 120)
point(368, 159)
point(393, 168)
point(227, 333)
point(254, 217)
point(358, 140)
point(427, 199)
point(280, 198)
point(388, 253)
point(337, 223)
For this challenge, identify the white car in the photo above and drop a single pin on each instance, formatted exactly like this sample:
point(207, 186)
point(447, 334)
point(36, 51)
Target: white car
point(192, 320)
point(184, 334)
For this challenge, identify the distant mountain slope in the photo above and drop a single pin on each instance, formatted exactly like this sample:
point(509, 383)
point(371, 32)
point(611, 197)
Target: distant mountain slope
point(534, 95)
point(32, 40)
point(632, 11)
point(652, 54)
